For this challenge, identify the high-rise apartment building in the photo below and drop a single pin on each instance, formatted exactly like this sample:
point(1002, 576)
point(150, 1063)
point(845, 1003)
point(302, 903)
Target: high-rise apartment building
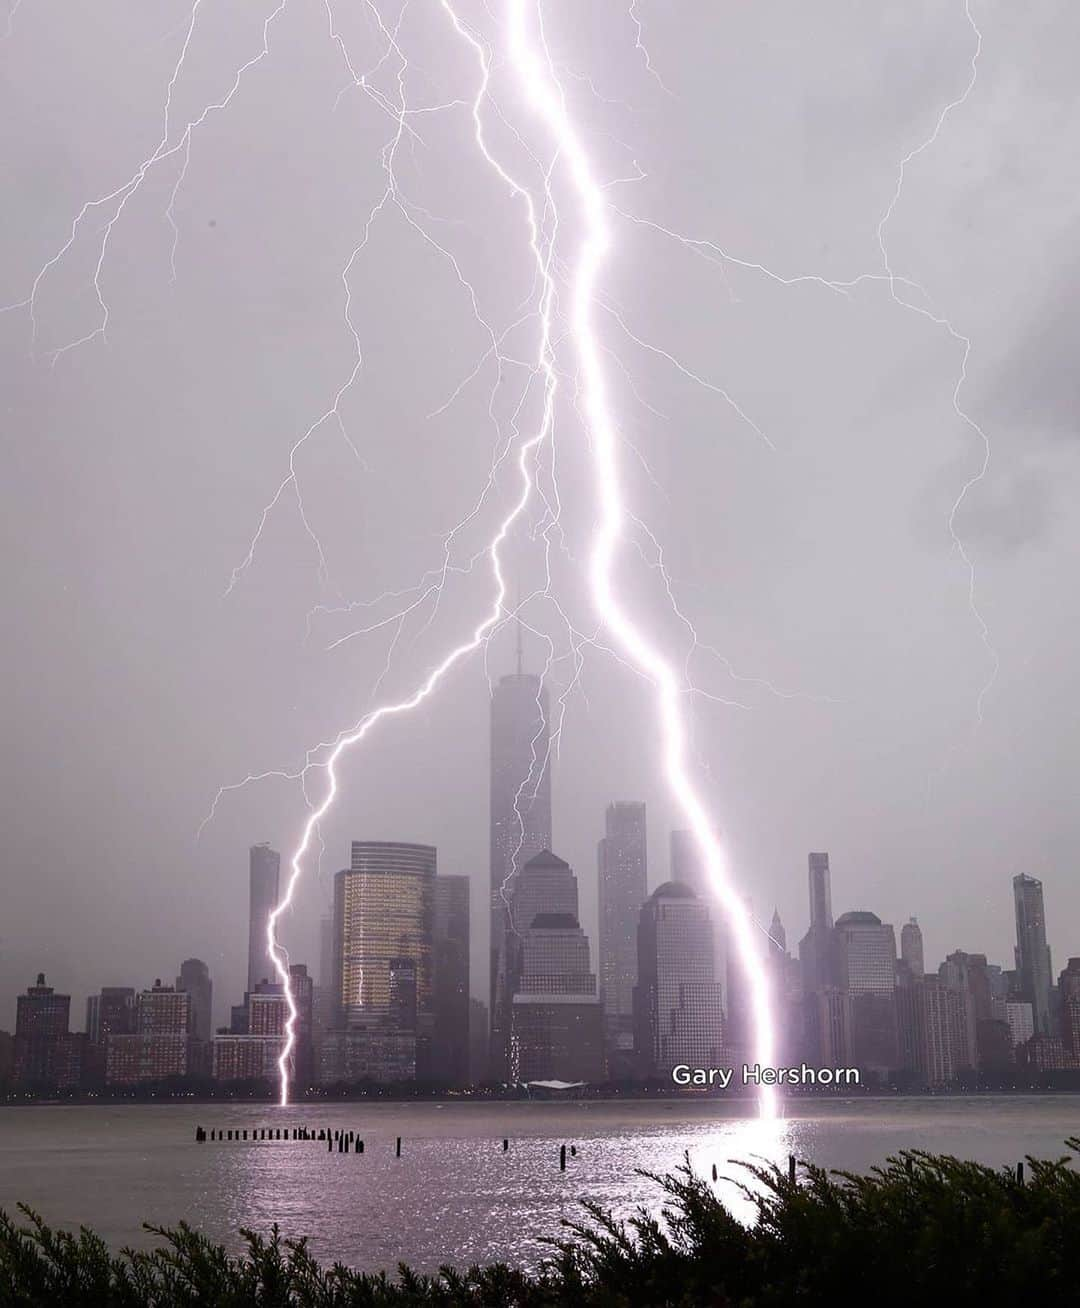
point(520, 818)
point(941, 1039)
point(45, 1052)
point(194, 979)
point(162, 1044)
point(450, 985)
point(1032, 951)
point(264, 877)
point(677, 1002)
point(252, 1052)
point(622, 869)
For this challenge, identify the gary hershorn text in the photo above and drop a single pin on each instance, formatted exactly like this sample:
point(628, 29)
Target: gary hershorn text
point(755, 1074)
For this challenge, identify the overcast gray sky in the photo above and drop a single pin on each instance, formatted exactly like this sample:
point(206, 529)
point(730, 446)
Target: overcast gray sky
point(138, 464)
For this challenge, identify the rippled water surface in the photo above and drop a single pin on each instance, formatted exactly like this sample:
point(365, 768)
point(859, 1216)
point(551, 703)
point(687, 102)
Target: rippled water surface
point(454, 1196)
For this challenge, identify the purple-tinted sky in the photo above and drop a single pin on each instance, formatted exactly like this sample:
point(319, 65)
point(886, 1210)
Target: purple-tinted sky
point(137, 466)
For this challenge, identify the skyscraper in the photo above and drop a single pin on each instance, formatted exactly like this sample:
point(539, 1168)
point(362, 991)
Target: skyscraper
point(556, 1027)
point(677, 1002)
point(865, 961)
point(1032, 952)
point(45, 1052)
point(383, 912)
point(382, 1010)
point(520, 819)
point(940, 1040)
point(450, 944)
point(688, 869)
point(194, 979)
point(820, 890)
point(621, 859)
point(265, 870)
point(815, 948)
point(911, 946)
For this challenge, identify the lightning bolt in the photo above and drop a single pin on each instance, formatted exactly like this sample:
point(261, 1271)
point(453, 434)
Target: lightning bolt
point(536, 74)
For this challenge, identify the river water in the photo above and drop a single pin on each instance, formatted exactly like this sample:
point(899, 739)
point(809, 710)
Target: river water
point(454, 1196)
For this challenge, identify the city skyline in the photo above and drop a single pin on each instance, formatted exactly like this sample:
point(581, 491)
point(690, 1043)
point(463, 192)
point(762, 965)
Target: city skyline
point(398, 1007)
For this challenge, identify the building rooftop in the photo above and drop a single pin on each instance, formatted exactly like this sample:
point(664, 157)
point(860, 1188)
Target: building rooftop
point(546, 859)
point(674, 890)
point(859, 918)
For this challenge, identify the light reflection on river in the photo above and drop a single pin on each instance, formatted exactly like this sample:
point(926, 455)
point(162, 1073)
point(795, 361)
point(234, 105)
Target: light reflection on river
point(454, 1196)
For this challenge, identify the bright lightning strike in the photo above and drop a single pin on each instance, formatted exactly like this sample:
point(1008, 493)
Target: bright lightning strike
point(534, 68)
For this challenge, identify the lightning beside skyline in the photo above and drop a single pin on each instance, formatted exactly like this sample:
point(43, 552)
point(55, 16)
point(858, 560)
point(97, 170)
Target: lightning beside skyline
point(570, 228)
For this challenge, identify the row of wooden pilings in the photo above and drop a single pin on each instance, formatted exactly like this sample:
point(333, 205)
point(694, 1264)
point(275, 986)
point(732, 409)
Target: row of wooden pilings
point(343, 1141)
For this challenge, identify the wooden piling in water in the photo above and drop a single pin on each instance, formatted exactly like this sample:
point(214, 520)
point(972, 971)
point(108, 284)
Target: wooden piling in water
point(506, 1146)
point(562, 1158)
point(791, 1168)
point(714, 1171)
point(398, 1149)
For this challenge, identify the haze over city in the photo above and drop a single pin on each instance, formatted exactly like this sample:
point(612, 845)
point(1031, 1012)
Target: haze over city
point(807, 542)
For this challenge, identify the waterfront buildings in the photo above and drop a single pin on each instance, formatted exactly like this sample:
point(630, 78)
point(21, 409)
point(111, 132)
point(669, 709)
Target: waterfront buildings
point(162, 1044)
point(45, 1052)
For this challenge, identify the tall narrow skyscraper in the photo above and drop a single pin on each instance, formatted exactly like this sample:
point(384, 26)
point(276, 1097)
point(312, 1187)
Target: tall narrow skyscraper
point(621, 859)
point(820, 891)
point(265, 865)
point(1032, 951)
point(815, 948)
point(520, 819)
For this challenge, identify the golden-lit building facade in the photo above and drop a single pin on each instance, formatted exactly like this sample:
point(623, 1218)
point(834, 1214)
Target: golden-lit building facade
point(383, 916)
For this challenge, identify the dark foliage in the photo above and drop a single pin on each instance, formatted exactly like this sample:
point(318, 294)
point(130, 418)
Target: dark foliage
point(922, 1229)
